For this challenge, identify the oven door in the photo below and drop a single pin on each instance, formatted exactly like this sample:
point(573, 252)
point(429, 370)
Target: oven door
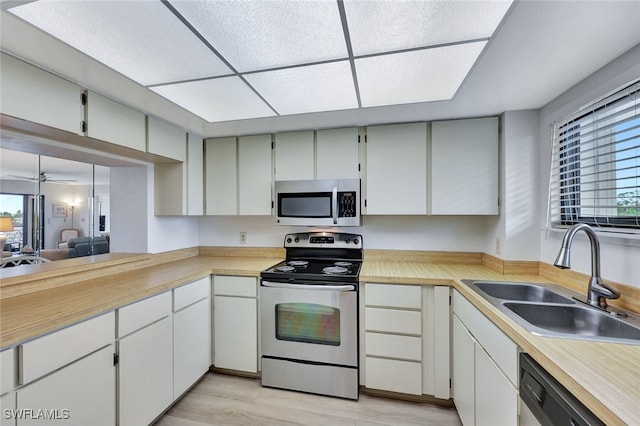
point(316, 323)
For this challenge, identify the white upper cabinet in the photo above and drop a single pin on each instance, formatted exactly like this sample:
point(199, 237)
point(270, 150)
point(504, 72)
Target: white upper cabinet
point(35, 95)
point(166, 140)
point(195, 175)
point(337, 154)
point(464, 167)
point(294, 157)
point(110, 121)
point(221, 161)
point(238, 175)
point(254, 175)
point(396, 180)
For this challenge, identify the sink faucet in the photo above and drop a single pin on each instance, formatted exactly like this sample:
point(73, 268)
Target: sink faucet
point(598, 292)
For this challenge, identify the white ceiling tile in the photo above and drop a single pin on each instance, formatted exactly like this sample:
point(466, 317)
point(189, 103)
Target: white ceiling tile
point(258, 34)
point(140, 39)
point(219, 99)
point(380, 25)
point(312, 88)
point(416, 76)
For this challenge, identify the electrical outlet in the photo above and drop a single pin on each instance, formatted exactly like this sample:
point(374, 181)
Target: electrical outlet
point(243, 238)
point(498, 245)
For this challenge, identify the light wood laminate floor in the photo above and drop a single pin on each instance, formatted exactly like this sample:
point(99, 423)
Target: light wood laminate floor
point(228, 400)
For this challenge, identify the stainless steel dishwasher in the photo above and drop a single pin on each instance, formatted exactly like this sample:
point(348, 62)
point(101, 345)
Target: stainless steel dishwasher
point(547, 402)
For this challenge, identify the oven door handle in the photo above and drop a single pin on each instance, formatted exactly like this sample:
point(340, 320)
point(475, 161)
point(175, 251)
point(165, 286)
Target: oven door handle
point(309, 286)
point(334, 210)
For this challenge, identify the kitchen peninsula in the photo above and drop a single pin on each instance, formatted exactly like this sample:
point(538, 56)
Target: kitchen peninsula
point(123, 279)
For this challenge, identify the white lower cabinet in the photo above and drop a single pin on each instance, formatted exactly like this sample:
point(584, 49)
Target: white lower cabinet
point(235, 308)
point(145, 369)
point(7, 402)
point(191, 334)
point(81, 393)
point(485, 383)
point(406, 343)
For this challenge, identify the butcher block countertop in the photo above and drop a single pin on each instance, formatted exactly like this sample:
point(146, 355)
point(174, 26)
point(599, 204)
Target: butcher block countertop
point(603, 376)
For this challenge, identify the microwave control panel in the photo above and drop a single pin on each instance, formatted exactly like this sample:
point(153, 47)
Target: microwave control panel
point(347, 204)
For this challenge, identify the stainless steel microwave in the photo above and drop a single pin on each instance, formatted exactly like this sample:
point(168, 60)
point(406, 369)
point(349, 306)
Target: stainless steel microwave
point(318, 202)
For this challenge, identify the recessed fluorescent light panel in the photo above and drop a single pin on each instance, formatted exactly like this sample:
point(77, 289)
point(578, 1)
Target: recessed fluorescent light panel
point(241, 59)
point(415, 76)
point(218, 99)
point(311, 88)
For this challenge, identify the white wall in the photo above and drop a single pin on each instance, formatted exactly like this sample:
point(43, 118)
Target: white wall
point(167, 233)
point(619, 256)
point(439, 233)
point(514, 234)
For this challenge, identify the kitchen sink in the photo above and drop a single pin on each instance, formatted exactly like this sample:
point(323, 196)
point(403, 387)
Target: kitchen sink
point(554, 311)
point(574, 320)
point(520, 291)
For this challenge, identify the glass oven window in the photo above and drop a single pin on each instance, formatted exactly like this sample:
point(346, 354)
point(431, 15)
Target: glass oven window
point(308, 322)
point(305, 205)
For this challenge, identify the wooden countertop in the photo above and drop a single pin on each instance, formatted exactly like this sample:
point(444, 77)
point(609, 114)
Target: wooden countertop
point(26, 316)
point(603, 376)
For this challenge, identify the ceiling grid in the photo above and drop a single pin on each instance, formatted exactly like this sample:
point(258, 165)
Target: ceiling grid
point(228, 60)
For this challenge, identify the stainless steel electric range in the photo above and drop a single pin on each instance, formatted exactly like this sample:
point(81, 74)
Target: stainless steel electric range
point(309, 315)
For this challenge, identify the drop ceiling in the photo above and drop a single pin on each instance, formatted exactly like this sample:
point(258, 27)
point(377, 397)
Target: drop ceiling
point(370, 62)
point(240, 59)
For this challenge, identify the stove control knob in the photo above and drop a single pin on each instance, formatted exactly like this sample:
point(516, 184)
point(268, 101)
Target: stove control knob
point(289, 240)
point(347, 240)
point(355, 241)
point(297, 240)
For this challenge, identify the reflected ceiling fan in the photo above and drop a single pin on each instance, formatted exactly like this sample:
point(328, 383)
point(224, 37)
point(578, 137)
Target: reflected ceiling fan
point(42, 177)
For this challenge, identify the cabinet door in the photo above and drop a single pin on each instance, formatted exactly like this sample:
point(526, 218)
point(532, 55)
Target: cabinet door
point(166, 139)
point(36, 95)
point(496, 398)
point(145, 373)
point(191, 345)
point(112, 122)
point(221, 176)
point(236, 333)
point(396, 180)
point(337, 154)
point(82, 393)
point(7, 402)
point(254, 175)
point(464, 167)
point(464, 373)
point(294, 157)
point(195, 175)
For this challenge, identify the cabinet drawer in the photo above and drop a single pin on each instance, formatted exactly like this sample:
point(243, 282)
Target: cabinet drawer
point(392, 321)
point(50, 352)
point(8, 368)
point(392, 295)
point(137, 315)
point(191, 293)
point(394, 376)
point(498, 345)
point(234, 286)
point(393, 346)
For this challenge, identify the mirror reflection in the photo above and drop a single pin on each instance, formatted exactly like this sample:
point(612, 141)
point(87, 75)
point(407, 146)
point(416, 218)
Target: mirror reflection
point(51, 207)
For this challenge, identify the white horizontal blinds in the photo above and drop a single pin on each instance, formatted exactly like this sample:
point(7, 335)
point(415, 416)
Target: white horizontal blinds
point(595, 170)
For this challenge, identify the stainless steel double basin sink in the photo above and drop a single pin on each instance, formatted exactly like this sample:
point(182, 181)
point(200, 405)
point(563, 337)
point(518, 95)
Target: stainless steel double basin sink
point(553, 311)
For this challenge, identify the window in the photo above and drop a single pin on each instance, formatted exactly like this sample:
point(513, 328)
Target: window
point(595, 170)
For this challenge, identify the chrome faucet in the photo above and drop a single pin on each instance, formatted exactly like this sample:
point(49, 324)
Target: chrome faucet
point(598, 292)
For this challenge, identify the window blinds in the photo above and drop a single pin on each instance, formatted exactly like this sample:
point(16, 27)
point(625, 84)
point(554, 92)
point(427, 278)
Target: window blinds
point(595, 166)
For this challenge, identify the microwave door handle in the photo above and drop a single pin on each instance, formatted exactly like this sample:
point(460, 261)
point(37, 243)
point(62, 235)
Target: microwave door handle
point(334, 205)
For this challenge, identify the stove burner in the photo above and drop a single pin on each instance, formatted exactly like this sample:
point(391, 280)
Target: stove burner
point(343, 263)
point(335, 270)
point(285, 268)
point(298, 263)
